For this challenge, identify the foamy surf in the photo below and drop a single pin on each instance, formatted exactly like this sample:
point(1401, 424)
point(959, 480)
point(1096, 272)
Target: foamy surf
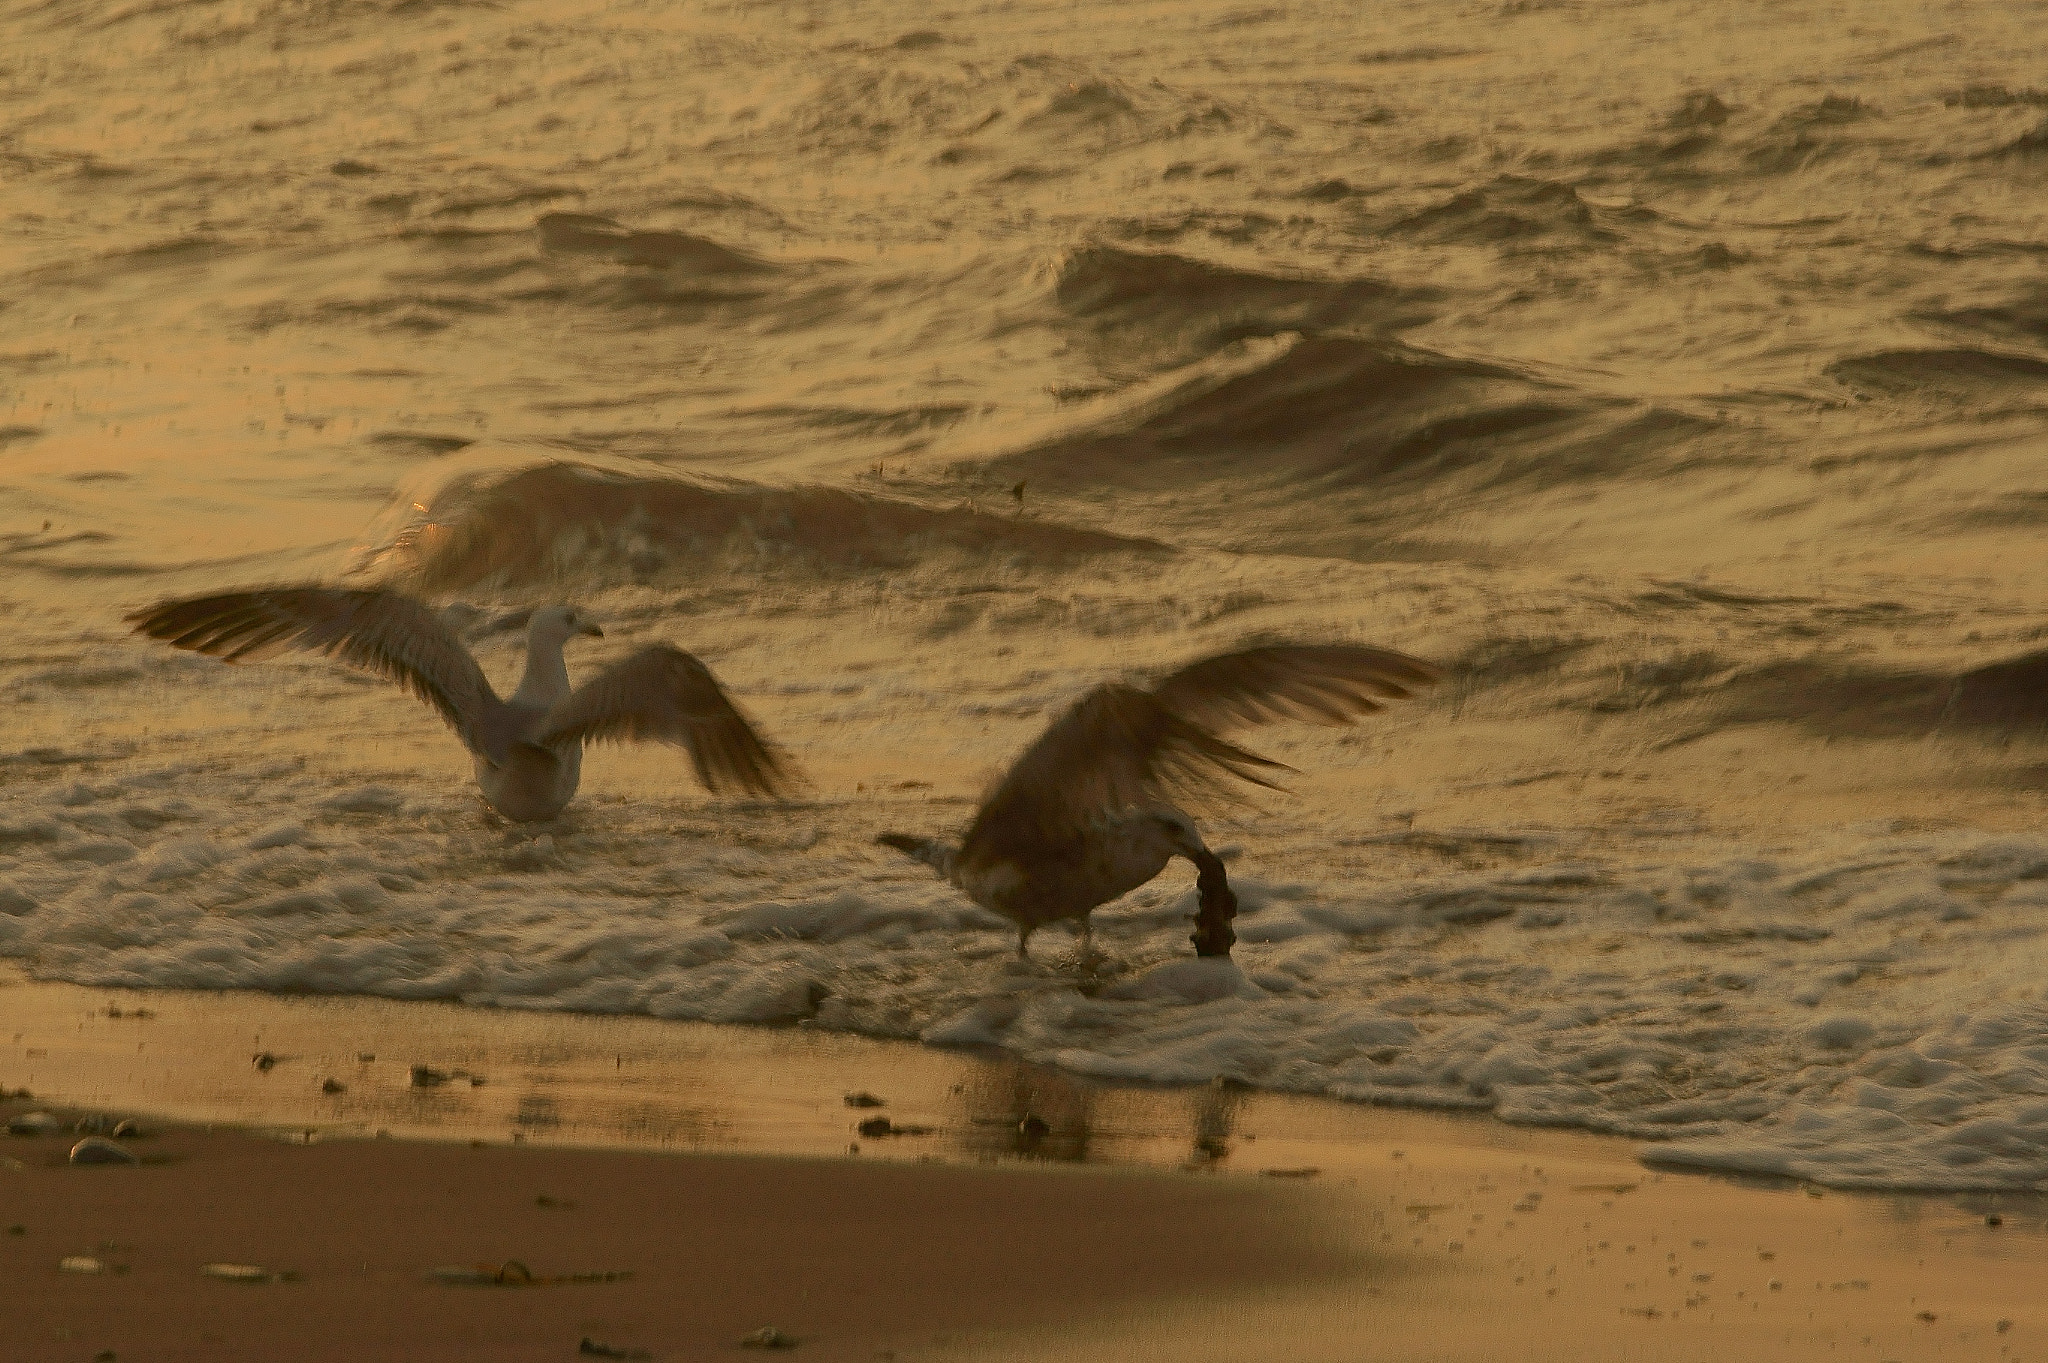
point(1862, 1015)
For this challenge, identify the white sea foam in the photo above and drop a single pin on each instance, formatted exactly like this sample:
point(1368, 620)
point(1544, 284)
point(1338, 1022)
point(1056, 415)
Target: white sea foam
point(1869, 1014)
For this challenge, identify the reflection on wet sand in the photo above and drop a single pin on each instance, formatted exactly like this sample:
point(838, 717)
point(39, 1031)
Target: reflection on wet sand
point(1457, 1223)
point(1011, 1108)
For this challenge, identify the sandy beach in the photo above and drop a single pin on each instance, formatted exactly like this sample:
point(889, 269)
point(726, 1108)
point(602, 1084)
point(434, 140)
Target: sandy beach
point(1101, 1222)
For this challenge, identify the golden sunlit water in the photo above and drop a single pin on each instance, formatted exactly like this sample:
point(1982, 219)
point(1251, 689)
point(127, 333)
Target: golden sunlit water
point(1673, 374)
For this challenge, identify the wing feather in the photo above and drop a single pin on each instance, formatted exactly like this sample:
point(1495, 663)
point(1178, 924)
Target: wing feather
point(381, 632)
point(1121, 747)
point(1320, 683)
point(1118, 747)
point(664, 694)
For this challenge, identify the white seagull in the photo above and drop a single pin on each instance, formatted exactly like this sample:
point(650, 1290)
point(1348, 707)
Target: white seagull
point(529, 748)
point(1088, 813)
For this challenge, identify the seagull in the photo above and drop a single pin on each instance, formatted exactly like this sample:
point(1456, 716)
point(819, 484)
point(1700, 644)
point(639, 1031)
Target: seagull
point(529, 748)
point(1087, 813)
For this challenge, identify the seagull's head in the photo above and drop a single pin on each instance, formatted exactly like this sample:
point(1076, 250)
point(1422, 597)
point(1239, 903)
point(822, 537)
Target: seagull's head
point(562, 622)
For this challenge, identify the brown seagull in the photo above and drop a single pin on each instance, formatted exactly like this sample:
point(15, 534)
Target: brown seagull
point(1088, 813)
point(529, 748)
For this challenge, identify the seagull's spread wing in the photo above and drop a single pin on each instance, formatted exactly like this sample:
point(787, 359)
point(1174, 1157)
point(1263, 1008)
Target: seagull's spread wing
point(663, 693)
point(1118, 747)
point(382, 632)
point(1321, 683)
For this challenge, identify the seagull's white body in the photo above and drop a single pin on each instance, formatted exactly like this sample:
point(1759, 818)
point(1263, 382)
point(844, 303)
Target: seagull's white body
point(534, 779)
point(528, 749)
point(1083, 816)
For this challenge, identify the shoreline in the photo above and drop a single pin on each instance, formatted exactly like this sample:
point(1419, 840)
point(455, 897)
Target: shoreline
point(1209, 1222)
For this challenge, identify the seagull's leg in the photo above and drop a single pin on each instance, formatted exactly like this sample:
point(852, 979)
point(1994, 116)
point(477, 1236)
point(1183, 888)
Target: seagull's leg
point(1090, 957)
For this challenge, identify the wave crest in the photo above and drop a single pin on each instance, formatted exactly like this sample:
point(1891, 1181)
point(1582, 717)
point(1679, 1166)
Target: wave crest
point(564, 522)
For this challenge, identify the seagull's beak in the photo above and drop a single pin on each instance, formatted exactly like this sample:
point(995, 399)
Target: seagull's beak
point(592, 630)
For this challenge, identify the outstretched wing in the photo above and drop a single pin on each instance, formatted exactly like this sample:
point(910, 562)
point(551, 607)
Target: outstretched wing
point(1118, 747)
point(664, 694)
point(1321, 683)
point(391, 635)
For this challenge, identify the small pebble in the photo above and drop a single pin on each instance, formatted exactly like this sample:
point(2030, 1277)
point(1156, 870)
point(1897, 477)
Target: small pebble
point(2003, 1326)
point(768, 1337)
point(332, 1086)
point(862, 1098)
point(1034, 1126)
point(1994, 1219)
point(1929, 1317)
point(263, 1060)
point(81, 1263)
point(33, 1124)
point(246, 1273)
point(426, 1076)
point(100, 1150)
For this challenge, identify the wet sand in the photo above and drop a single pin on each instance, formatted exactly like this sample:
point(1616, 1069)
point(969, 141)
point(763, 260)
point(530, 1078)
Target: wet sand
point(1122, 1222)
point(853, 1259)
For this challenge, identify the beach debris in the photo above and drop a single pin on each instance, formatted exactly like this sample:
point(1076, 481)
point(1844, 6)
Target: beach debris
point(426, 1076)
point(1305, 1171)
point(1615, 1188)
point(513, 1273)
point(33, 1124)
point(100, 1150)
point(882, 1126)
point(247, 1273)
point(2003, 1326)
point(1927, 1316)
point(593, 1349)
point(125, 1129)
point(768, 1337)
point(264, 1060)
point(333, 1086)
point(81, 1263)
point(139, 1014)
point(1993, 1219)
point(862, 1098)
point(365, 1057)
